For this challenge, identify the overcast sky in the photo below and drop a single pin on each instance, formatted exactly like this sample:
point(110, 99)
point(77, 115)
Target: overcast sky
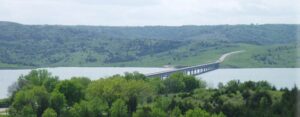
point(149, 12)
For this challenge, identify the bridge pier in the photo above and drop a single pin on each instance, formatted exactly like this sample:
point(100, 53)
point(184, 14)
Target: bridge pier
point(194, 70)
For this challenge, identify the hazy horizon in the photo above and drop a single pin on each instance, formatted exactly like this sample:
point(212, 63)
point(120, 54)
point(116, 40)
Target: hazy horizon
point(149, 13)
point(152, 25)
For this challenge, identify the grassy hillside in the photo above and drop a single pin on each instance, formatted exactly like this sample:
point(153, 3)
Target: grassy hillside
point(266, 56)
point(26, 46)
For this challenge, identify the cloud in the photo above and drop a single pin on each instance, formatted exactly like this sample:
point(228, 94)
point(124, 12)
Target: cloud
point(149, 12)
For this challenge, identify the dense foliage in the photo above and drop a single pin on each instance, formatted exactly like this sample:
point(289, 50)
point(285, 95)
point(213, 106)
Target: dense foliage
point(57, 45)
point(39, 94)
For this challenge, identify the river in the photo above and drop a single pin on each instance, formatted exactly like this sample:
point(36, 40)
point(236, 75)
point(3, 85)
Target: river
point(280, 77)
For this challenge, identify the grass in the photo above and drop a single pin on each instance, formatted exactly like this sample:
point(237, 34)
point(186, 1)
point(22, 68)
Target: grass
point(282, 58)
point(186, 57)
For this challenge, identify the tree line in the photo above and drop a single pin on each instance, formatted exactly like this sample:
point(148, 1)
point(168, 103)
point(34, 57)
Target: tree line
point(39, 94)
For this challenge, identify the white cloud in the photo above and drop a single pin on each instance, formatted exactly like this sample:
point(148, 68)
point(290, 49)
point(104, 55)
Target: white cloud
point(149, 12)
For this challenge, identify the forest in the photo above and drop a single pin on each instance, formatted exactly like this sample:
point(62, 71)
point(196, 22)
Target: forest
point(35, 46)
point(40, 94)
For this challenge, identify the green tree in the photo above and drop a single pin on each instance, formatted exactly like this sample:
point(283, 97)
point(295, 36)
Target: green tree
point(263, 85)
point(57, 101)
point(176, 112)
point(218, 115)
point(36, 78)
point(197, 113)
point(108, 89)
point(135, 91)
point(157, 112)
point(71, 112)
point(82, 81)
point(135, 76)
point(50, 83)
point(174, 83)
point(232, 103)
point(115, 87)
point(91, 108)
point(157, 84)
point(27, 111)
point(71, 90)
point(35, 99)
point(98, 107)
point(118, 109)
point(143, 112)
point(191, 83)
point(162, 103)
point(232, 86)
point(82, 109)
point(49, 112)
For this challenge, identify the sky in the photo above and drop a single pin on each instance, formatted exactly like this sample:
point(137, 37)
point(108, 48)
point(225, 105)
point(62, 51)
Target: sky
point(150, 12)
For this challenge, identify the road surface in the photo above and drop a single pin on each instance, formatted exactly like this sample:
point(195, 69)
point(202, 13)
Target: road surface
point(223, 57)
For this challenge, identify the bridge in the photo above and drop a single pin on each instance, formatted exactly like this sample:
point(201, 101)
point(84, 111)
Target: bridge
point(195, 70)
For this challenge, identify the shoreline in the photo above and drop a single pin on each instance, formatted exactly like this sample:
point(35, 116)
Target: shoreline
point(47, 67)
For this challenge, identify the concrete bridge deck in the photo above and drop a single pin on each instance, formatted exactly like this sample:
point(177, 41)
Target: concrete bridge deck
point(194, 70)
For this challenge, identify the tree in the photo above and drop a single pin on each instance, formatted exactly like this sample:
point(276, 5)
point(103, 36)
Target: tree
point(178, 82)
point(157, 84)
point(84, 109)
point(197, 113)
point(157, 112)
point(35, 99)
point(35, 78)
point(27, 111)
point(135, 76)
point(143, 112)
point(49, 112)
point(118, 109)
point(82, 81)
point(57, 101)
point(71, 90)
point(263, 85)
point(50, 83)
point(71, 112)
point(191, 83)
point(98, 107)
point(176, 112)
point(135, 91)
point(231, 104)
point(91, 108)
point(218, 115)
point(260, 99)
point(174, 83)
point(232, 86)
point(112, 88)
point(162, 103)
point(108, 89)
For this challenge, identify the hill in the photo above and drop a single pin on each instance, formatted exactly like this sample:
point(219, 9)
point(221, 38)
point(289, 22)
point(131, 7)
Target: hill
point(27, 46)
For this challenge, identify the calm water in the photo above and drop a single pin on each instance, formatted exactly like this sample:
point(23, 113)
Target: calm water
point(280, 77)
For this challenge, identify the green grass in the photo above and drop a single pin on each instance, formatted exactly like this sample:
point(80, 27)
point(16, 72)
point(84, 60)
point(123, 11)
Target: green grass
point(286, 57)
point(281, 58)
